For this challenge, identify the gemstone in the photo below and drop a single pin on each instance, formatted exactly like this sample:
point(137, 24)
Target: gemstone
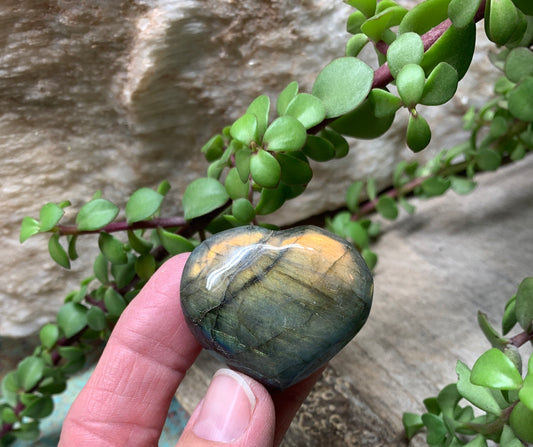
point(276, 305)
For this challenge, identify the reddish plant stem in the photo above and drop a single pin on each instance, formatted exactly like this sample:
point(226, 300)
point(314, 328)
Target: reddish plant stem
point(521, 339)
point(163, 222)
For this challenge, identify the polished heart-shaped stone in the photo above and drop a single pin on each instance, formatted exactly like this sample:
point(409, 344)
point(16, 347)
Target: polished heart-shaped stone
point(276, 305)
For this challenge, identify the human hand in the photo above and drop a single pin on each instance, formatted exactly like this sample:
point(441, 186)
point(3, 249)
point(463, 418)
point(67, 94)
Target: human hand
point(126, 400)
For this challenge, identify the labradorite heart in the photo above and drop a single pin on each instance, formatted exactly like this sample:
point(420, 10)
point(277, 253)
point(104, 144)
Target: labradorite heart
point(276, 305)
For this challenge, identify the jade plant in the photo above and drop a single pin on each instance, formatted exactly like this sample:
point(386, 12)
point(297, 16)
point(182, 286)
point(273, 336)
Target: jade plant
point(256, 164)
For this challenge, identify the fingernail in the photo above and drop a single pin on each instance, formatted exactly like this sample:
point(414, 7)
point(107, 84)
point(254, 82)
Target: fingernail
point(227, 408)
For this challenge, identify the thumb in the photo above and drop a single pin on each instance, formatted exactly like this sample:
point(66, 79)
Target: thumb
point(236, 411)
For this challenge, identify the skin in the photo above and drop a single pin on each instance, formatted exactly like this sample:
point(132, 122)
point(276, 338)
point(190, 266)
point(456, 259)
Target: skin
point(125, 402)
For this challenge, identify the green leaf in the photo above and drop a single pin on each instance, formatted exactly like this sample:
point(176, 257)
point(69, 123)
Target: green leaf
point(479, 396)
point(318, 148)
point(114, 302)
point(215, 169)
point(72, 318)
point(174, 243)
point(50, 215)
point(440, 86)
point(524, 304)
point(234, 185)
point(412, 424)
point(260, 107)
point(213, 149)
point(355, 44)
point(521, 421)
point(494, 338)
point(519, 64)
point(367, 7)
point(112, 248)
point(521, 100)
point(448, 399)
point(96, 319)
point(526, 392)
point(28, 228)
point(478, 441)
point(405, 50)
point(488, 159)
point(202, 196)
point(495, 370)
point(57, 252)
point(358, 234)
point(72, 253)
point(285, 134)
point(385, 103)
point(342, 85)
point(418, 133)
point(435, 186)
point(295, 170)
point(139, 243)
point(501, 19)
point(376, 26)
point(525, 6)
point(100, 268)
point(509, 316)
point(370, 258)
point(371, 188)
point(9, 387)
point(265, 169)
point(508, 438)
point(270, 201)
point(124, 273)
point(462, 185)
point(163, 188)
point(49, 335)
point(243, 210)
point(307, 109)
point(242, 163)
point(339, 143)
point(143, 204)
point(96, 214)
point(145, 266)
point(462, 13)
point(409, 208)
point(245, 129)
point(30, 372)
point(386, 206)
point(410, 83)
point(354, 22)
point(436, 429)
point(353, 194)
point(40, 408)
point(285, 97)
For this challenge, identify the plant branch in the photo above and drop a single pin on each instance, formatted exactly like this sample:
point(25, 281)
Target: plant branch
point(521, 339)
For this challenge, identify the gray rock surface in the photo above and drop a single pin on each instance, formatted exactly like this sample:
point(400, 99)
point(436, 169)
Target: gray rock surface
point(116, 95)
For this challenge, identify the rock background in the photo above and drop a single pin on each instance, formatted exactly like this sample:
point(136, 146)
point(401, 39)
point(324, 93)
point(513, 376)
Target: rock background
point(115, 95)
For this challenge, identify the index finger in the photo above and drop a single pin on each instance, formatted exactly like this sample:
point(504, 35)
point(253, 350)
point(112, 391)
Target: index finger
point(125, 402)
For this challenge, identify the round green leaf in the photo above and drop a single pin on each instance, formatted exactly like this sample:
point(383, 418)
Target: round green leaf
point(39, 408)
point(29, 372)
point(367, 7)
point(318, 148)
point(72, 318)
point(202, 196)
point(524, 304)
point(495, 370)
point(49, 216)
point(521, 421)
point(353, 194)
point(57, 252)
point(521, 100)
point(143, 204)
point(354, 22)
point(418, 133)
point(114, 302)
point(96, 214)
point(174, 243)
point(139, 243)
point(243, 210)
point(145, 266)
point(100, 268)
point(462, 13)
point(245, 129)
point(440, 86)
point(112, 248)
point(526, 392)
point(387, 207)
point(285, 133)
point(480, 396)
point(96, 319)
point(29, 227)
point(260, 107)
point(294, 170)
point(270, 201)
point(525, 6)
point(410, 83)
point(234, 185)
point(124, 273)
point(307, 109)
point(358, 234)
point(343, 85)
point(406, 49)
point(355, 44)
point(213, 149)
point(370, 258)
point(435, 186)
point(385, 103)
point(242, 163)
point(48, 335)
point(265, 169)
point(501, 19)
point(339, 143)
point(488, 159)
point(519, 64)
point(285, 97)
point(462, 185)
point(376, 26)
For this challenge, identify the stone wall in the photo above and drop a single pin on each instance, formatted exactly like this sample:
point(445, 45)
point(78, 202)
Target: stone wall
point(115, 95)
